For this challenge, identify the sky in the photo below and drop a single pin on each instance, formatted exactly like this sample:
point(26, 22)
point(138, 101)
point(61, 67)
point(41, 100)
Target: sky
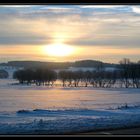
point(107, 33)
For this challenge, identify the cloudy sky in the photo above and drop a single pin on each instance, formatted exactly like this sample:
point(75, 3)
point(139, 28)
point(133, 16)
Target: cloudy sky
point(106, 33)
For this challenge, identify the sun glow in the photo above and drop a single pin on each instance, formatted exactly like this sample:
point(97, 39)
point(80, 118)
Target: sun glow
point(59, 50)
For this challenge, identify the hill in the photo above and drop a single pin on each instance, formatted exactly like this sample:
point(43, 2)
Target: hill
point(56, 65)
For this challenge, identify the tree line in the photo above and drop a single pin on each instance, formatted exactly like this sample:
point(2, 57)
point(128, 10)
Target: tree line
point(38, 76)
point(126, 74)
point(3, 74)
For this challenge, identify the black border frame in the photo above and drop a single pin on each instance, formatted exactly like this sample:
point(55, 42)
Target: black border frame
point(62, 2)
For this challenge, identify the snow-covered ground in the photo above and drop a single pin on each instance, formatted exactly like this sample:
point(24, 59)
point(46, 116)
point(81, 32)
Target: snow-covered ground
point(85, 69)
point(56, 110)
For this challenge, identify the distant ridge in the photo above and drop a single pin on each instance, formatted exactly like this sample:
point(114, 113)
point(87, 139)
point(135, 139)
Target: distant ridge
point(56, 65)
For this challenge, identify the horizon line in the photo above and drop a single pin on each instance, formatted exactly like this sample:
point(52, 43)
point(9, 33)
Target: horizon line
point(64, 61)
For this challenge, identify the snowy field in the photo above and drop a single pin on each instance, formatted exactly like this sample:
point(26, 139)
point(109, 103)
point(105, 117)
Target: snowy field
point(85, 69)
point(42, 110)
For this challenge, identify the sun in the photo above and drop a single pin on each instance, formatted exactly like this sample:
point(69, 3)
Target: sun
point(58, 50)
